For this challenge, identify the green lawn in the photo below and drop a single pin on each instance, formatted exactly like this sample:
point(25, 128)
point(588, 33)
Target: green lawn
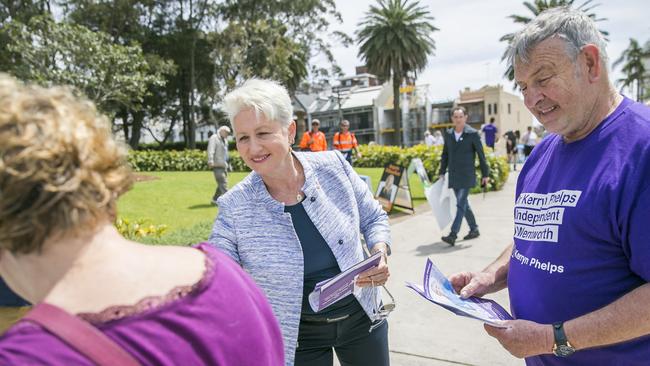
point(181, 201)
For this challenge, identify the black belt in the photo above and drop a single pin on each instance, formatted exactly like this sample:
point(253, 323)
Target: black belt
point(320, 319)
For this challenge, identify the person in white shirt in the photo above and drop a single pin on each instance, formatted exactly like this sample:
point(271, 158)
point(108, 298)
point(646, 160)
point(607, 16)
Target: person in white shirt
point(438, 140)
point(529, 140)
point(428, 138)
point(218, 160)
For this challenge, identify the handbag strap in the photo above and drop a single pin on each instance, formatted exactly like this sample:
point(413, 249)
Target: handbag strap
point(81, 335)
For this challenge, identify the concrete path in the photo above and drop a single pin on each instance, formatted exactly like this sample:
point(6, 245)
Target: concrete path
point(422, 333)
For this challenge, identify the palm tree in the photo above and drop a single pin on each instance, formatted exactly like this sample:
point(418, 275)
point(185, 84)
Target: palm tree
point(395, 41)
point(536, 8)
point(634, 69)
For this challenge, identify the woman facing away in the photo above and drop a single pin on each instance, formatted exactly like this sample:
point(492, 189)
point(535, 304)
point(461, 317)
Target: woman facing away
point(61, 173)
point(295, 221)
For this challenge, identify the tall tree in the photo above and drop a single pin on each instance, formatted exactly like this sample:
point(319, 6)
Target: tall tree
point(111, 75)
point(301, 25)
point(537, 7)
point(214, 45)
point(633, 58)
point(168, 30)
point(395, 41)
point(258, 49)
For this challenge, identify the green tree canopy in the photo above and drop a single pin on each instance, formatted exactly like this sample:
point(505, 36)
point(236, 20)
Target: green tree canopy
point(304, 25)
point(47, 52)
point(210, 45)
point(395, 41)
point(258, 49)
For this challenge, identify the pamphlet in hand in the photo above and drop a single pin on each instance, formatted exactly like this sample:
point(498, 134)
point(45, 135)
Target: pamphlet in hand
point(329, 291)
point(437, 289)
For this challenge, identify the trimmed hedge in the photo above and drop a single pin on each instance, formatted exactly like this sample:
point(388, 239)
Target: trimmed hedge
point(375, 156)
point(180, 145)
point(151, 160)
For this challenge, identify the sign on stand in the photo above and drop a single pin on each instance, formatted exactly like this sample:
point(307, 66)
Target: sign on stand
point(394, 189)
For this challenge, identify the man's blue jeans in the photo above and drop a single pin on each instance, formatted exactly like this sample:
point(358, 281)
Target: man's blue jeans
point(463, 210)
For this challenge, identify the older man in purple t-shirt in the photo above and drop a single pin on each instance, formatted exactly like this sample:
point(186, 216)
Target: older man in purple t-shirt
point(578, 270)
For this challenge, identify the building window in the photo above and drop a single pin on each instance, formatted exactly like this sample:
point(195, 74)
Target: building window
point(476, 112)
point(509, 112)
point(489, 109)
point(495, 108)
point(364, 121)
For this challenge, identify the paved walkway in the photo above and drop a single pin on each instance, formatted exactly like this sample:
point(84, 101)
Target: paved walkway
point(423, 334)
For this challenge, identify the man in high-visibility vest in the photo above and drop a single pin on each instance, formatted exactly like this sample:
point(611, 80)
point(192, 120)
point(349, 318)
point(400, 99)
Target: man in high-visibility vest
point(345, 142)
point(313, 140)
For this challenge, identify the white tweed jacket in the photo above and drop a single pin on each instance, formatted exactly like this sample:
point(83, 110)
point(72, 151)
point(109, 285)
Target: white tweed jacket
point(254, 230)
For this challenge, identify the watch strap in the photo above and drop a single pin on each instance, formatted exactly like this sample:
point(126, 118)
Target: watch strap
point(558, 333)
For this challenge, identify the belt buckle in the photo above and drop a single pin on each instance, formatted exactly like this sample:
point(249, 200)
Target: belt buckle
point(334, 320)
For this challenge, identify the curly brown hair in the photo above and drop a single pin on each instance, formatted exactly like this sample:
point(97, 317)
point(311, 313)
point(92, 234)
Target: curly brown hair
point(61, 170)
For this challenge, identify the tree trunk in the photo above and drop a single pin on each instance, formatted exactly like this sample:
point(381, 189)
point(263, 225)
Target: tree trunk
point(191, 134)
point(136, 128)
point(169, 131)
point(185, 109)
point(397, 80)
point(191, 131)
point(124, 115)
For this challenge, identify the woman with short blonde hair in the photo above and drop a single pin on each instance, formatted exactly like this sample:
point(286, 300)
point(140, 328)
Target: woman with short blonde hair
point(295, 221)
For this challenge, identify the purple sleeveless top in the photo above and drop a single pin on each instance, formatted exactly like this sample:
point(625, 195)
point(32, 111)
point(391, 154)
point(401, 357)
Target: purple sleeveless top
point(224, 319)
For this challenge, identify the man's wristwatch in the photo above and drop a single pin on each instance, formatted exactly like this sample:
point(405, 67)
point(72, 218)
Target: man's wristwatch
point(562, 347)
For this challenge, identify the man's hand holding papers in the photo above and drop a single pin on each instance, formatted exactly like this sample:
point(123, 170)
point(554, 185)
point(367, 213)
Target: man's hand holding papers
point(437, 289)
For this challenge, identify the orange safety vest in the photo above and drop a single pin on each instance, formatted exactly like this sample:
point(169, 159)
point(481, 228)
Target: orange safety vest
point(313, 142)
point(345, 142)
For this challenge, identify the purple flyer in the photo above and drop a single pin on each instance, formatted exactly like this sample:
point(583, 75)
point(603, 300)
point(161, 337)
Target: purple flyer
point(334, 289)
point(437, 289)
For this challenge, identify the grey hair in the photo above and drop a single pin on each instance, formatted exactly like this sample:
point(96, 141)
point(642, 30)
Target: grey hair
point(267, 97)
point(223, 128)
point(574, 26)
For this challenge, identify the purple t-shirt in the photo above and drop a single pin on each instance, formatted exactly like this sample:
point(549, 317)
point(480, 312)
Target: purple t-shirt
point(224, 319)
point(490, 132)
point(581, 213)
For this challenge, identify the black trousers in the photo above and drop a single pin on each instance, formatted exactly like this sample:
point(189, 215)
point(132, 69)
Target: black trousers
point(354, 345)
point(528, 150)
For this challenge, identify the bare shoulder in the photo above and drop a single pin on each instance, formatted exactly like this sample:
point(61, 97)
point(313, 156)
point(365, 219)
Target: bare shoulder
point(176, 265)
point(134, 273)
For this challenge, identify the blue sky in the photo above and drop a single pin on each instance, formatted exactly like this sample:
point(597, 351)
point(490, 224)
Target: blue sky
point(468, 51)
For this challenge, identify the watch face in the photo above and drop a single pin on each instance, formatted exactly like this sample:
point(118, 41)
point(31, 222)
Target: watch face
point(563, 350)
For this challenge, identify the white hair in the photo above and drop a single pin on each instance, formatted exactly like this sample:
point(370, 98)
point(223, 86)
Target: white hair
point(574, 26)
point(223, 128)
point(263, 96)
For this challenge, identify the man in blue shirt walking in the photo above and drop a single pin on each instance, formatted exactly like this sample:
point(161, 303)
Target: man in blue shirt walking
point(490, 131)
